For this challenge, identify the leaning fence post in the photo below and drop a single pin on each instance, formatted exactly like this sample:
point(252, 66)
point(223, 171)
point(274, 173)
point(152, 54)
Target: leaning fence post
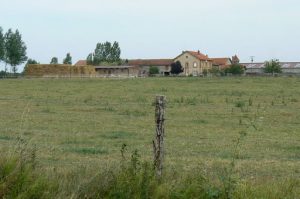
point(158, 142)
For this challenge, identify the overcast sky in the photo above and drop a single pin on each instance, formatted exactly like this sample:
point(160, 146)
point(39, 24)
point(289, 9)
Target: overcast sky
point(265, 29)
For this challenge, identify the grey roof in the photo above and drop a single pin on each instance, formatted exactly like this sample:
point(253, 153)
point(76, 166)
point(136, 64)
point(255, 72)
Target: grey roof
point(113, 67)
point(283, 65)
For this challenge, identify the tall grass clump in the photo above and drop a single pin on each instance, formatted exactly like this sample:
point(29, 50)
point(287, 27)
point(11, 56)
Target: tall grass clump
point(19, 178)
point(133, 179)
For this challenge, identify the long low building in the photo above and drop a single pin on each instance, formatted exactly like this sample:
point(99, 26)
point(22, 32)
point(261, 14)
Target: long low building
point(117, 70)
point(258, 68)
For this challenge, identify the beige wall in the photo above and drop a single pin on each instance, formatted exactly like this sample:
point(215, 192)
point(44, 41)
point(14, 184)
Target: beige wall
point(192, 65)
point(118, 72)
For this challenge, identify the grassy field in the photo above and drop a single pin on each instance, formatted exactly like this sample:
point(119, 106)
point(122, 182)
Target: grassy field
point(81, 124)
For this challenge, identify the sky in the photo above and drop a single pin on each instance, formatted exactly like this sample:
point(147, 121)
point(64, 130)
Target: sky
point(265, 29)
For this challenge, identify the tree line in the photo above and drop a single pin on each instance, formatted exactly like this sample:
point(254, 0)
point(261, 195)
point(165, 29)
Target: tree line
point(12, 49)
point(105, 53)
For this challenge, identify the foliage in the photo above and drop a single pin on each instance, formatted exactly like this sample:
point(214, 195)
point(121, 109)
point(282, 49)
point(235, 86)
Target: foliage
point(68, 59)
point(215, 70)
point(2, 45)
point(105, 52)
point(153, 70)
point(176, 68)
point(272, 66)
point(235, 69)
point(31, 61)
point(54, 60)
point(89, 59)
point(20, 179)
point(15, 49)
point(3, 74)
point(205, 72)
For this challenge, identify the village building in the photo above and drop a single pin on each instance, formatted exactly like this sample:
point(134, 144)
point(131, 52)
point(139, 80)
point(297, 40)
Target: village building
point(290, 68)
point(221, 63)
point(163, 65)
point(194, 63)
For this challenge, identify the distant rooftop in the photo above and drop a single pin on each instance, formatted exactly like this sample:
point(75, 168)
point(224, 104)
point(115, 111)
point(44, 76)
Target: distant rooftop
point(261, 65)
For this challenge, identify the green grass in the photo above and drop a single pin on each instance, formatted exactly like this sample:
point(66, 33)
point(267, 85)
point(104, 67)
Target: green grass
point(82, 123)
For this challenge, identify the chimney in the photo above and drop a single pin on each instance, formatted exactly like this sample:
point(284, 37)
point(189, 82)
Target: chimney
point(199, 52)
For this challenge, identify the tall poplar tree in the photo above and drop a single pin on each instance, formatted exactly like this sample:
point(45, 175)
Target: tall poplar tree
point(15, 49)
point(2, 45)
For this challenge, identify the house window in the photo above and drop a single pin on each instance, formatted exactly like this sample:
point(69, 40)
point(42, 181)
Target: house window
point(195, 64)
point(187, 57)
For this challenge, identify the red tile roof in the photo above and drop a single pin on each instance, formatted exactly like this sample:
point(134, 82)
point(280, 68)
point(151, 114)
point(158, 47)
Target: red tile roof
point(221, 61)
point(150, 62)
point(199, 55)
point(81, 63)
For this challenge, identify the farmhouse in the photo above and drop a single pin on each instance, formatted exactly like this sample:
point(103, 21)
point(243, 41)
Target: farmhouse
point(258, 68)
point(194, 63)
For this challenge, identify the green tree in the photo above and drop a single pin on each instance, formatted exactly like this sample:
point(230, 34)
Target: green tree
point(235, 69)
point(99, 55)
point(68, 59)
point(105, 53)
point(176, 68)
point(2, 74)
point(272, 66)
point(2, 45)
point(54, 60)
point(89, 59)
point(115, 52)
point(153, 70)
point(15, 49)
point(214, 70)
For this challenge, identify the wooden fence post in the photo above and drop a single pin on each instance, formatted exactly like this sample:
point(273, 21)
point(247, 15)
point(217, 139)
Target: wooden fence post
point(158, 142)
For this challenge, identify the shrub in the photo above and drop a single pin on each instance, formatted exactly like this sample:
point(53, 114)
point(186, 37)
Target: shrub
point(215, 71)
point(272, 66)
point(153, 70)
point(235, 69)
point(176, 68)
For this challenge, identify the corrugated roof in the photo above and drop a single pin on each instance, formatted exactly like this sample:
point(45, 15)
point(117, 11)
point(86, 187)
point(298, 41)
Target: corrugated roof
point(262, 65)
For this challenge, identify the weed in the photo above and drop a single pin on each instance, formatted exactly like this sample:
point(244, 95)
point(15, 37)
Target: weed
point(88, 151)
point(5, 137)
point(118, 135)
point(240, 104)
